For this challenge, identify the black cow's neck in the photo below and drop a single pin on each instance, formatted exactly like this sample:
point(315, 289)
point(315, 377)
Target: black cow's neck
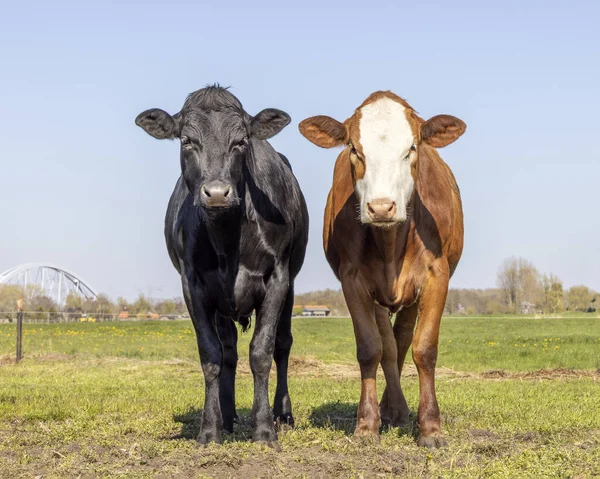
point(224, 233)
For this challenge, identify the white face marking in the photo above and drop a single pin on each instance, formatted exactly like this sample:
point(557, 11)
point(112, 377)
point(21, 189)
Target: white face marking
point(386, 138)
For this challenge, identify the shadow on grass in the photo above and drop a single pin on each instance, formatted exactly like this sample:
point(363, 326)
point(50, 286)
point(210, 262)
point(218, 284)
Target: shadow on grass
point(341, 416)
point(191, 420)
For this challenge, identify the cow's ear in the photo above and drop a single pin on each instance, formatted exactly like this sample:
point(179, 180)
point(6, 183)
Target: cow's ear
point(268, 123)
point(324, 131)
point(158, 123)
point(441, 130)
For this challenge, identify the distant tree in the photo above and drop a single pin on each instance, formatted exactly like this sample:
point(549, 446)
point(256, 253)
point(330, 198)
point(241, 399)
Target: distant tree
point(42, 303)
point(166, 307)
point(508, 281)
point(141, 305)
point(73, 303)
point(553, 296)
point(579, 298)
point(103, 305)
point(180, 306)
point(519, 281)
point(452, 301)
point(123, 304)
point(9, 294)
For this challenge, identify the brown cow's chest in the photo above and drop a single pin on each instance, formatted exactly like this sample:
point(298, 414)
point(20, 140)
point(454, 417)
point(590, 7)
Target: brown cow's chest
point(397, 285)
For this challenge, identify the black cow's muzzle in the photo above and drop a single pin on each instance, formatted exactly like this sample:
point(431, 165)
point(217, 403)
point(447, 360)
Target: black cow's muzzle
point(216, 195)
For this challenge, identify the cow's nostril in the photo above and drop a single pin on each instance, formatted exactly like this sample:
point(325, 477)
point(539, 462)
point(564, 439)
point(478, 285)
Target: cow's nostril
point(227, 191)
point(206, 192)
point(382, 209)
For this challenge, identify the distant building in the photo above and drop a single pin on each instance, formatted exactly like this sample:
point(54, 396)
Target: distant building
point(315, 310)
point(527, 307)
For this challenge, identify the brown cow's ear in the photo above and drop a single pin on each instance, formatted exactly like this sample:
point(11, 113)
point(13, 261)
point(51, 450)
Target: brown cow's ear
point(441, 130)
point(324, 131)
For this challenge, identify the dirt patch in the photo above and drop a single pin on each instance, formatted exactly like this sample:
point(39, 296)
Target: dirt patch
point(557, 373)
point(10, 358)
point(310, 462)
point(309, 366)
point(481, 434)
point(529, 436)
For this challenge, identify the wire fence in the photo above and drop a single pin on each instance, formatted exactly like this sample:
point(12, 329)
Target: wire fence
point(45, 317)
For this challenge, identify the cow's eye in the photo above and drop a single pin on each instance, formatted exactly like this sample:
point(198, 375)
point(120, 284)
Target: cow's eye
point(410, 152)
point(240, 145)
point(353, 150)
point(186, 142)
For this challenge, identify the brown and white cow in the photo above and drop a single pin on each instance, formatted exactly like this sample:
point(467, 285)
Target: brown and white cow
point(393, 235)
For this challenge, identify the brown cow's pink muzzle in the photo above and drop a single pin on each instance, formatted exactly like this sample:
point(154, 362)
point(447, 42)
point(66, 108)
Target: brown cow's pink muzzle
point(381, 210)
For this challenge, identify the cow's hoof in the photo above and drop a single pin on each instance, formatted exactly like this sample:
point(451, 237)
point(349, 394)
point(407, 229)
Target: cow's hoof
point(229, 422)
point(366, 436)
point(366, 440)
point(367, 431)
point(206, 437)
point(284, 422)
point(432, 442)
point(270, 444)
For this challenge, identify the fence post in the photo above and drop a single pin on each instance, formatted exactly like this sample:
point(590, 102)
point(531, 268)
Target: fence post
point(19, 329)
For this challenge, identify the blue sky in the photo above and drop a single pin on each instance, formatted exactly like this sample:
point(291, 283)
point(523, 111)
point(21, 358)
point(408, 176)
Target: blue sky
point(82, 187)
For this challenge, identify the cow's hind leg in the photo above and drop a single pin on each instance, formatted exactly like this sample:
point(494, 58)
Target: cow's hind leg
point(282, 406)
point(403, 334)
point(228, 335)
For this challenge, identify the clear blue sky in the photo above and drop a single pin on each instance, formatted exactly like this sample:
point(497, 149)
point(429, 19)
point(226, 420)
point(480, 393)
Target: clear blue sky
point(81, 186)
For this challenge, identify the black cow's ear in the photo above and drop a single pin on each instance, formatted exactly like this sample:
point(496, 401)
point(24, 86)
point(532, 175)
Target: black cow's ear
point(268, 123)
point(158, 123)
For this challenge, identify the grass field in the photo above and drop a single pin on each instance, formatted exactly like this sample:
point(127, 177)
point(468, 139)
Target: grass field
point(124, 399)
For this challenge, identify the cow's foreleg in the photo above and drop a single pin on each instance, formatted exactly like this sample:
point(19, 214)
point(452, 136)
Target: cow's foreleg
point(368, 353)
point(228, 335)
point(262, 348)
point(282, 406)
point(425, 350)
point(211, 358)
point(404, 327)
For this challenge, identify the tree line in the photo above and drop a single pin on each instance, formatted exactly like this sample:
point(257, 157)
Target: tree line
point(521, 289)
point(35, 301)
point(522, 286)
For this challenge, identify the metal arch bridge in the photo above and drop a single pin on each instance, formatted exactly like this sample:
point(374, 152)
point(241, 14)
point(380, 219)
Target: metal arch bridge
point(55, 282)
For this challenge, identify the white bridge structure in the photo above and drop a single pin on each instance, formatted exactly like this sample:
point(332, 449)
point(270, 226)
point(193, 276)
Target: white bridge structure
point(55, 282)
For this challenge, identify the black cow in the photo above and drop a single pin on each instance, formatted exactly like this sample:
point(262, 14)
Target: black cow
point(236, 230)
